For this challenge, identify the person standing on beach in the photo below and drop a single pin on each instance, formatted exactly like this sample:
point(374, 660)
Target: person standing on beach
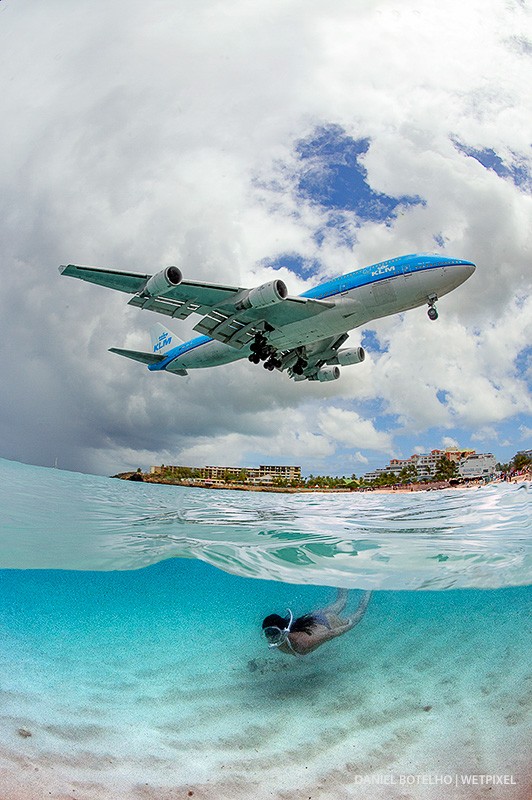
point(301, 636)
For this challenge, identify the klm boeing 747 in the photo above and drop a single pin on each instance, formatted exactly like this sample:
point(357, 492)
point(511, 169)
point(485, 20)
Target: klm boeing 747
point(302, 336)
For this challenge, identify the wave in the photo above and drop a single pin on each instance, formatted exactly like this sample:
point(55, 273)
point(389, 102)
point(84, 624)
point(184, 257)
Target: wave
point(456, 538)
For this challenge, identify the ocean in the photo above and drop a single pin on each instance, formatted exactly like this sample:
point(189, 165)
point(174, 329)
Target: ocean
point(132, 663)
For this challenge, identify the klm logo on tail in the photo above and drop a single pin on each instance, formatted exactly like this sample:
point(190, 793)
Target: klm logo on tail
point(164, 340)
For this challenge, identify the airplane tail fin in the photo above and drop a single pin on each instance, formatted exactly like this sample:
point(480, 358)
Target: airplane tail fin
point(162, 340)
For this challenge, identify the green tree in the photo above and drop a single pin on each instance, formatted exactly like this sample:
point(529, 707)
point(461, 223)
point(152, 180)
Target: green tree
point(520, 461)
point(385, 479)
point(445, 469)
point(408, 473)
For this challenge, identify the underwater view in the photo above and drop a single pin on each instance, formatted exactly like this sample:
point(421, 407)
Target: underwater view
point(133, 663)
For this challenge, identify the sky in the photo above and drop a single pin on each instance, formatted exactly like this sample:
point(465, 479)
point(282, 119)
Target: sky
point(246, 141)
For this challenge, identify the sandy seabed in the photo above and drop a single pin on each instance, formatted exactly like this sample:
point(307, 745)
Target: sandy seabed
point(134, 702)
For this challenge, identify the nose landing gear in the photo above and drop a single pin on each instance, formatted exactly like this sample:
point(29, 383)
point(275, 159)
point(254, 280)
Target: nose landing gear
point(432, 312)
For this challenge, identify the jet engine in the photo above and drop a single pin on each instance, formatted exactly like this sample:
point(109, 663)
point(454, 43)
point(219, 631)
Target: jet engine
point(328, 374)
point(351, 355)
point(163, 282)
point(266, 295)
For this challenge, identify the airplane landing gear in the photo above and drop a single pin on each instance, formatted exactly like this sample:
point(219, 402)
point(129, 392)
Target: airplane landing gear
point(432, 312)
point(272, 363)
point(299, 366)
point(260, 349)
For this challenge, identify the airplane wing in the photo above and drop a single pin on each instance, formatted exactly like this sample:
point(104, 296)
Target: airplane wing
point(230, 314)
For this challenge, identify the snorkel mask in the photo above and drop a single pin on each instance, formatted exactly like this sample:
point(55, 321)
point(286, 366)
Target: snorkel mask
point(277, 636)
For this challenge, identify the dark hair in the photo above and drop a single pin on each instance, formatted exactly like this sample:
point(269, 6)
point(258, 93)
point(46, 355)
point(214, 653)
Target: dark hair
point(275, 621)
point(304, 624)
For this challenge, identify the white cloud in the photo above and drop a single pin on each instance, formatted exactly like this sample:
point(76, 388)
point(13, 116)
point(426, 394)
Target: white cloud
point(349, 429)
point(448, 441)
point(447, 374)
point(484, 434)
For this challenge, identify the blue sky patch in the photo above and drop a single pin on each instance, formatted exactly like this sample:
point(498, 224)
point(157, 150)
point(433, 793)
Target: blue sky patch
point(332, 175)
point(304, 267)
point(523, 364)
point(370, 342)
point(518, 171)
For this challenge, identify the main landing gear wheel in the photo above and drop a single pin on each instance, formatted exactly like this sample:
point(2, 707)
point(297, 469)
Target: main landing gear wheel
point(272, 363)
point(299, 366)
point(433, 314)
point(260, 349)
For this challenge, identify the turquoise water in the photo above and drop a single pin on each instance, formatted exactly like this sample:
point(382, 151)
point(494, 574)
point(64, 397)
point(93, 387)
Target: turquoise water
point(131, 665)
point(474, 538)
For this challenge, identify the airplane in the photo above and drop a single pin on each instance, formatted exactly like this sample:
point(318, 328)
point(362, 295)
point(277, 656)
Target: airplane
point(300, 335)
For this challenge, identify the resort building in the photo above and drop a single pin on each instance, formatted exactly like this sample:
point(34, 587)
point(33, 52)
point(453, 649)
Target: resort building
point(477, 465)
point(265, 474)
point(470, 464)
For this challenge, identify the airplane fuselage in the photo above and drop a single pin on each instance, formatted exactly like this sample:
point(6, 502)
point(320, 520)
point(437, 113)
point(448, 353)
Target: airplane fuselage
point(380, 290)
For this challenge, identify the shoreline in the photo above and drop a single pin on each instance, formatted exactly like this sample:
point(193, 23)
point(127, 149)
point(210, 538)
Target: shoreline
point(136, 477)
point(417, 487)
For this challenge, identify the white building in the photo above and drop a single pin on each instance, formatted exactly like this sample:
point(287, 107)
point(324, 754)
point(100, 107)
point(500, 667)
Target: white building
point(266, 473)
point(477, 465)
point(425, 463)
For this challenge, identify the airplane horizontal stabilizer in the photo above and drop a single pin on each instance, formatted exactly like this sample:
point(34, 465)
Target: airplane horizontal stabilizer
point(144, 358)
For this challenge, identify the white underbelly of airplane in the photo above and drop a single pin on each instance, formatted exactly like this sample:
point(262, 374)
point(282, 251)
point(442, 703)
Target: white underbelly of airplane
point(210, 354)
point(351, 310)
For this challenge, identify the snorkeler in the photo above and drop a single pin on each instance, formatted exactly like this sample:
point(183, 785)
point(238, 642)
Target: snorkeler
point(304, 634)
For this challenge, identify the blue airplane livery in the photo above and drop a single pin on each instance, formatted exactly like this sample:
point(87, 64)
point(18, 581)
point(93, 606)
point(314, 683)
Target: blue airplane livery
point(301, 335)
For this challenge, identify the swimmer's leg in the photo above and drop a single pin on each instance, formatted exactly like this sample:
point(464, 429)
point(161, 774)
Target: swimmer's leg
point(339, 604)
point(359, 613)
